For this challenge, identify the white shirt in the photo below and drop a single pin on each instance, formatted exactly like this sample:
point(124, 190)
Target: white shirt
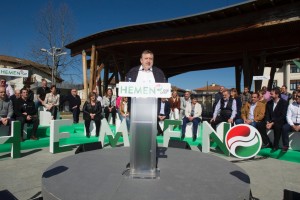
point(251, 111)
point(293, 114)
point(145, 76)
point(162, 108)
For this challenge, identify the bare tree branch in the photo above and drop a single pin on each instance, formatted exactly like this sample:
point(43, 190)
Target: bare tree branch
point(55, 28)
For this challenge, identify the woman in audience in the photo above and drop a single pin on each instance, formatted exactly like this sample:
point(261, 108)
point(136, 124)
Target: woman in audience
point(109, 103)
point(124, 109)
point(92, 111)
point(175, 105)
point(234, 95)
point(52, 102)
point(262, 97)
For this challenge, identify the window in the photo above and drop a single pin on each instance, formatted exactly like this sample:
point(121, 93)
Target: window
point(294, 69)
point(274, 84)
point(293, 84)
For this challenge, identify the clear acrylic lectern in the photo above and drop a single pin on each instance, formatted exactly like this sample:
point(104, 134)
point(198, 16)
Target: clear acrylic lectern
point(143, 125)
point(143, 129)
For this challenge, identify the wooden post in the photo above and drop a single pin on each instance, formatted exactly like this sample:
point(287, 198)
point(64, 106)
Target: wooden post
point(84, 70)
point(92, 68)
point(95, 71)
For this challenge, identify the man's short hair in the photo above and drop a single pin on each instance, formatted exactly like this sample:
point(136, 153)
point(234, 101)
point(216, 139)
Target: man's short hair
point(21, 91)
point(276, 90)
point(147, 52)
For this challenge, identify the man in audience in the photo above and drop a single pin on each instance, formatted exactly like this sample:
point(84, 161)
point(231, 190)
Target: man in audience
point(30, 92)
point(246, 96)
point(276, 115)
point(284, 94)
point(41, 93)
point(253, 114)
point(218, 96)
point(163, 112)
point(193, 114)
point(293, 122)
point(15, 96)
point(74, 104)
point(26, 113)
point(184, 101)
point(6, 112)
point(225, 110)
point(8, 88)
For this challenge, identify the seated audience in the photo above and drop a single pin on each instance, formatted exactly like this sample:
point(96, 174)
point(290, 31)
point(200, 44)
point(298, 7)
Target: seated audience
point(74, 104)
point(218, 96)
point(6, 112)
point(109, 103)
point(246, 96)
point(266, 93)
point(163, 112)
point(8, 89)
point(26, 112)
point(225, 110)
point(261, 97)
point(183, 102)
point(51, 102)
point(234, 95)
point(285, 94)
point(293, 122)
point(193, 114)
point(124, 109)
point(92, 110)
point(253, 114)
point(30, 92)
point(15, 96)
point(276, 115)
point(294, 97)
point(175, 105)
point(41, 94)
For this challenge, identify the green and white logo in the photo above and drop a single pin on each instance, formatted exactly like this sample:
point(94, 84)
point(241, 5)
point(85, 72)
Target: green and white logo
point(243, 141)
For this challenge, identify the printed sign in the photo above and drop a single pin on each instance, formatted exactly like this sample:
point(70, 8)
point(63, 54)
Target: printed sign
point(255, 78)
point(132, 89)
point(13, 72)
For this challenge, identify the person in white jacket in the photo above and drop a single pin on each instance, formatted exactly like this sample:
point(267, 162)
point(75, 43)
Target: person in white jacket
point(193, 112)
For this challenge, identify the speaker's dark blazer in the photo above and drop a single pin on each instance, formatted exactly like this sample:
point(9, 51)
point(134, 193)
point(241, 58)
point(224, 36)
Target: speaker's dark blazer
point(157, 73)
point(279, 113)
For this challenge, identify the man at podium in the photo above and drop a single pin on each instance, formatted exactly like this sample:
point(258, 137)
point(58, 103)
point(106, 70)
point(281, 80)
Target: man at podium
point(143, 128)
point(146, 72)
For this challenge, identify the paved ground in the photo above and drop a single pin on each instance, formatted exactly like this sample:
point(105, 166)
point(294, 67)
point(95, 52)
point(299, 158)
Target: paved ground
point(22, 177)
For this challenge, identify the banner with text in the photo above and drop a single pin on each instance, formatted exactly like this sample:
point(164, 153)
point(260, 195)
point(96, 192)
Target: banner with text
point(13, 72)
point(132, 89)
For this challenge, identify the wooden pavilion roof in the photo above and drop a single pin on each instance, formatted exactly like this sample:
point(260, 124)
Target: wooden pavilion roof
point(210, 40)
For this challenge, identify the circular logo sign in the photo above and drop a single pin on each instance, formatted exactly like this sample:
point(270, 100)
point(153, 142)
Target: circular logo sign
point(243, 141)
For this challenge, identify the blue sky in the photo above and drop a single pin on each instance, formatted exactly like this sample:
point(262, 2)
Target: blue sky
point(18, 26)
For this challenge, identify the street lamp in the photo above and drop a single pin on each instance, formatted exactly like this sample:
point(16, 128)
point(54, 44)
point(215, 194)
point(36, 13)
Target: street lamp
point(54, 52)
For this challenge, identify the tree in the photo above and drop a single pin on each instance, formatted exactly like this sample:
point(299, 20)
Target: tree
point(55, 29)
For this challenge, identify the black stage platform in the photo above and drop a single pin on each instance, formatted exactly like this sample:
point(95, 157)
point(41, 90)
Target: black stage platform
point(184, 175)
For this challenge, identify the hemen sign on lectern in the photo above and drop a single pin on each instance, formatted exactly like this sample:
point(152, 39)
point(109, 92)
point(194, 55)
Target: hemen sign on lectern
point(143, 125)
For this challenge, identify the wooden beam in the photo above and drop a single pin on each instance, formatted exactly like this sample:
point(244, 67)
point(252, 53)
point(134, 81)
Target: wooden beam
point(92, 68)
point(85, 81)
